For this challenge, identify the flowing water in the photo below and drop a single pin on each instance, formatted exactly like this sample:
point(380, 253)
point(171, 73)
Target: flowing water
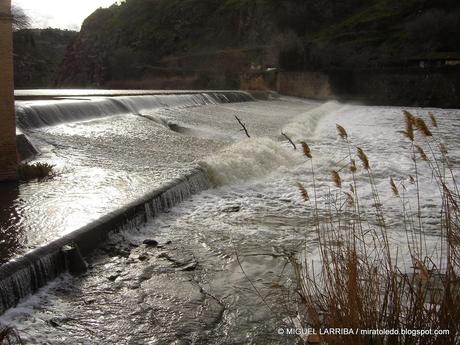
point(112, 155)
point(214, 277)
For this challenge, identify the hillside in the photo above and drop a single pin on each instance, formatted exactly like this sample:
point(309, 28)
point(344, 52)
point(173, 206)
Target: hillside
point(38, 55)
point(140, 42)
point(387, 31)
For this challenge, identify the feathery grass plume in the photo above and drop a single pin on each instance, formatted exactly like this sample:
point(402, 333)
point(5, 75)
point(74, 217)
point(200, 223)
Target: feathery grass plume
point(362, 156)
point(336, 179)
point(303, 192)
point(306, 149)
point(422, 127)
point(433, 120)
point(360, 283)
point(9, 335)
point(443, 149)
point(342, 132)
point(353, 168)
point(393, 187)
point(350, 199)
point(410, 121)
point(422, 153)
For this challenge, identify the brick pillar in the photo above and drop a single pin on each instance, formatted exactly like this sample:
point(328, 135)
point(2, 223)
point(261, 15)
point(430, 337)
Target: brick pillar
point(8, 151)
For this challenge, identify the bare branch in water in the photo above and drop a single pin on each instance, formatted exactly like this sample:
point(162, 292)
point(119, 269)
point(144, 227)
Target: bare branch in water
point(290, 140)
point(242, 125)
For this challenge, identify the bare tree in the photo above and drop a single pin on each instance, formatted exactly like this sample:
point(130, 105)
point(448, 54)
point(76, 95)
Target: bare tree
point(20, 19)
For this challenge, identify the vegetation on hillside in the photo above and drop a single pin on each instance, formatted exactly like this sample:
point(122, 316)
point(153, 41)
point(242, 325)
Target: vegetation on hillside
point(38, 55)
point(384, 32)
point(129, 39)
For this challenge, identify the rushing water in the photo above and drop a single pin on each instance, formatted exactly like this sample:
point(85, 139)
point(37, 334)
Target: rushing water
point(191, 289)
point(111, 156)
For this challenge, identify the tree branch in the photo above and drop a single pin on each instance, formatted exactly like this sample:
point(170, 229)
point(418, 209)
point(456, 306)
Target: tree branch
point(243, 125)
point(289, 139)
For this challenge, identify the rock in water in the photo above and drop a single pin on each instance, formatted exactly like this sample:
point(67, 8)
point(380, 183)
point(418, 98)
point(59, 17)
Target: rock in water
point(76, 264)
point(150, 243)
point(232, 209)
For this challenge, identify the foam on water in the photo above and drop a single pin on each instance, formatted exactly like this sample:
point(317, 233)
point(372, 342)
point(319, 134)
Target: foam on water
point(304, 126)
point(257, 157)
point(248, 159)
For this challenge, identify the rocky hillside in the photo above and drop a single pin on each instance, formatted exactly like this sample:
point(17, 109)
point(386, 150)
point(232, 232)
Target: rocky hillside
point(38, 55)
point(141, 42)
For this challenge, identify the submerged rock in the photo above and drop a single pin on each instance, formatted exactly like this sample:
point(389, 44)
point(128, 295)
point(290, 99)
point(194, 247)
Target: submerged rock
point(150, 243)
point(232, 209)
point(113, 277)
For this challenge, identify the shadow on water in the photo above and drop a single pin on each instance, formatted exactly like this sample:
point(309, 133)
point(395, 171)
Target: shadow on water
point(10, 229)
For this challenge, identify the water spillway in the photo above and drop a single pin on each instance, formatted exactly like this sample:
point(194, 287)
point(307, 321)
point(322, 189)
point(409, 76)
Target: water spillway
point(104, 163)
point(25, 275)
point(36, 114)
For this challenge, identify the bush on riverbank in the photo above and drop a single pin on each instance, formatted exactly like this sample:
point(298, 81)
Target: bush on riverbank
point(34, 171)
point(359, 281)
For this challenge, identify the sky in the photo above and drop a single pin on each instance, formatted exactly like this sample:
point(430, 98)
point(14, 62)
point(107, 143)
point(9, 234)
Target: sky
point(63, 14)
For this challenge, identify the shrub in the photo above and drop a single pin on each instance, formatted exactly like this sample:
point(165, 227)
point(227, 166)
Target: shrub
point(34, 171)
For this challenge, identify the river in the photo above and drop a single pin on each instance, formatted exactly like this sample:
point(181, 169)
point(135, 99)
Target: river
point(217, 273)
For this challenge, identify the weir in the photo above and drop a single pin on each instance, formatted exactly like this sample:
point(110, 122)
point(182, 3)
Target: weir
point(37, 114)
point(25, 275)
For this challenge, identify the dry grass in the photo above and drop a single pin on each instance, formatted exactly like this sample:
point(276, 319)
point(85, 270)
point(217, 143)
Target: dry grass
point(9, 336)
point(359, 282)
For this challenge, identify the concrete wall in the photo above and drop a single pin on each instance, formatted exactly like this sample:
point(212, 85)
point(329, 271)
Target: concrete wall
point(8, 154)
point(406, 87)
point(305, 84)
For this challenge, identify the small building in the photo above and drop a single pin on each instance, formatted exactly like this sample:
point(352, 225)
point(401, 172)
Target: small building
point(435, 60)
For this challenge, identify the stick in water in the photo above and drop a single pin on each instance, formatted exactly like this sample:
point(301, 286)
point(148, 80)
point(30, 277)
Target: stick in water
point(243, 125)
point(289, 139)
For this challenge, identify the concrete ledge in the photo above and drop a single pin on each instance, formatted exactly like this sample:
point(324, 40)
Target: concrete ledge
point(26, 150)
point(45, 94)
point(27, 270)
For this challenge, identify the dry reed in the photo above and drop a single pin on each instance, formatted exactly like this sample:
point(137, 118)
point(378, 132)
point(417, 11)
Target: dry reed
point(358, 285)
point(10, 336)
point(306, 149)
